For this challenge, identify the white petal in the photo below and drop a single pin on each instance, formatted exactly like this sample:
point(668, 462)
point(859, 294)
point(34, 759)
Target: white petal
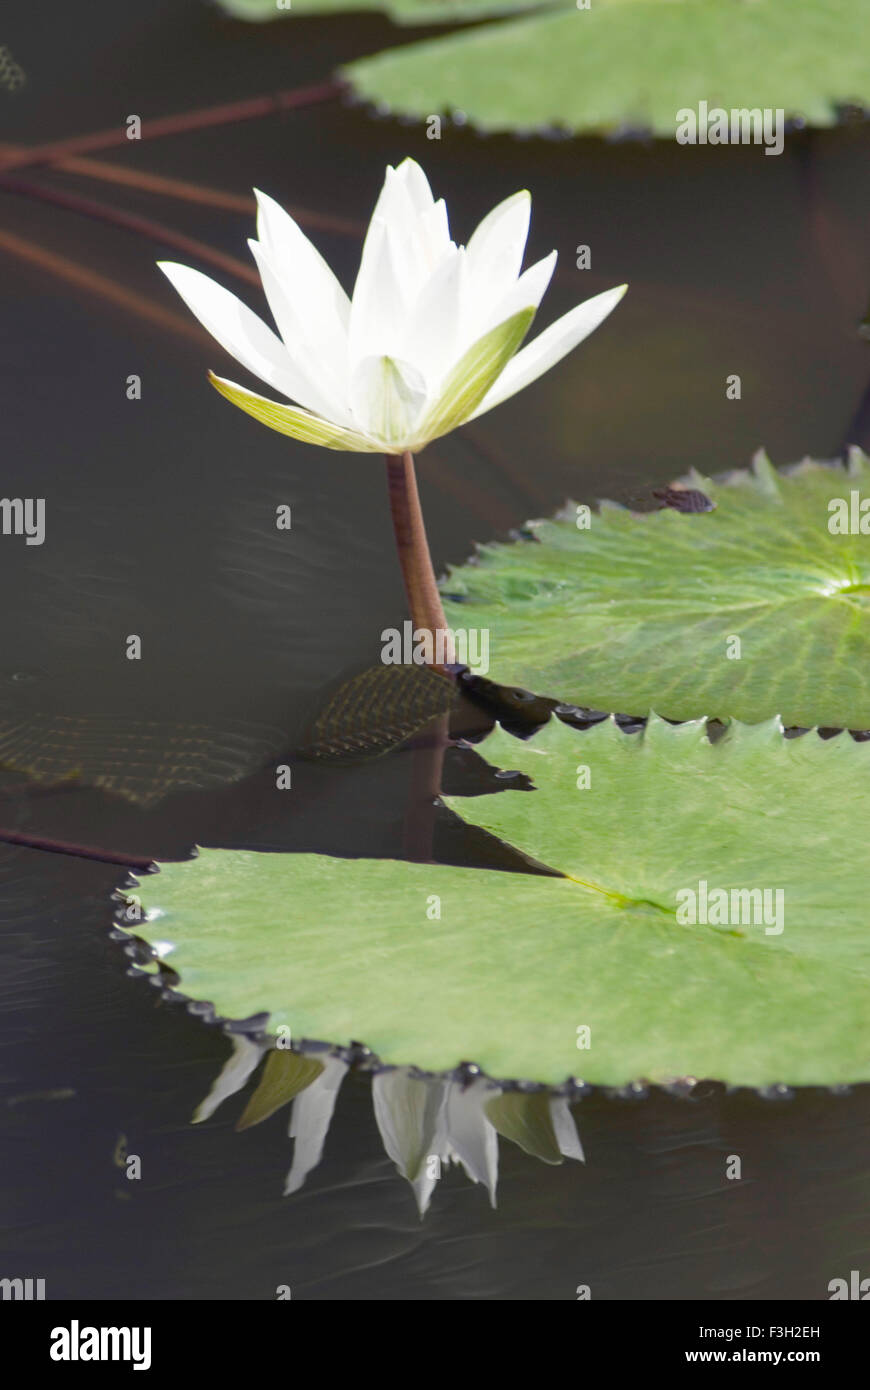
point(471, 1135)
point(565, 1129)
point(525, 293)
point(244, 1058)
point(245, 336)
point(396, 206)
point(388, 398)
point(502, 234)
point(416, 184)
point(550, 347)
point(433, 232)
point(420, 233)
point(378, 309)
point(431, 338)
point(304, 273)
point(417, 231)
point(310, 1119)
point(495, 254)
point(408, 1114)
point(326, 371)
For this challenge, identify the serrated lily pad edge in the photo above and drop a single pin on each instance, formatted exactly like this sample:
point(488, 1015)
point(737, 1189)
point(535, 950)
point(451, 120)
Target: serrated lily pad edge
point(362, 1059)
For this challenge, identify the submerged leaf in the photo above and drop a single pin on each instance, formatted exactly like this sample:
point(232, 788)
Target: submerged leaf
point(376, 710)
point(141, 760)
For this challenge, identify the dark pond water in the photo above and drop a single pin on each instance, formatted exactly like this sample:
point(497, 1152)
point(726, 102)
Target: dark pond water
point(160, 523)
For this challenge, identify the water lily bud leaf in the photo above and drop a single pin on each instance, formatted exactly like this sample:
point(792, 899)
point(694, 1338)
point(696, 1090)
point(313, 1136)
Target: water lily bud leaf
point(290, 419)
point(748, 610)
point(592, 974)
point(476, 371)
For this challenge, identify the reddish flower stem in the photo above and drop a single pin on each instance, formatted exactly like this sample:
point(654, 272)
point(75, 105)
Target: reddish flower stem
point(424, 600)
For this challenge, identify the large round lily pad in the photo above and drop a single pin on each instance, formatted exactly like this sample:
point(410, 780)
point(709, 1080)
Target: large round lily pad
point(518, 966)
point(754, 609)
point(617, 65)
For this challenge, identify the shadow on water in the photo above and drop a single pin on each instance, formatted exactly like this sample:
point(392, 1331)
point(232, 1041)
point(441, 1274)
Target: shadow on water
point(161, 523)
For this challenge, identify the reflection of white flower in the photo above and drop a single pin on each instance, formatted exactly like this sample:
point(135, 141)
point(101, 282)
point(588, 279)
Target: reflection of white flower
point(310, 1119)
point(428, 341)
point(426, 1124)
point(241, 1063)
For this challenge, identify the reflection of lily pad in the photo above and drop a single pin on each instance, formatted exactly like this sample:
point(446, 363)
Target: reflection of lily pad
point(516, 964)
point(633, 63)
point(640, 612)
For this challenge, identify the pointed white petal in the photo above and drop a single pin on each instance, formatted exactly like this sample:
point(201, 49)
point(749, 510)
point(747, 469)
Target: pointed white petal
point(304, 273)
point(565, 1129)
point(242, 1061)
point(310, 1119)
point(395, 206)
point(502, 235)
point(416, 184)
point(238, 330)
point(495, 255)
point(434, 233)
point(431, 338)
point(323, 371)
point(472, 1137)
point(408, 1113)
point(550, 347)
point(416, 230)
point(525, 293)
point(299, 424)
point(378, 309)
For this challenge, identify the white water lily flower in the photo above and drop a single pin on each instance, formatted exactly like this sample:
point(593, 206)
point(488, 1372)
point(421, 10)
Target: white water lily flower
point(429, 340)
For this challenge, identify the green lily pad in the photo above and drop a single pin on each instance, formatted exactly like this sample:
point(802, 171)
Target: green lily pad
point(633, 63)
point(641, 612)
point(597, 974)
point(403, 11)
